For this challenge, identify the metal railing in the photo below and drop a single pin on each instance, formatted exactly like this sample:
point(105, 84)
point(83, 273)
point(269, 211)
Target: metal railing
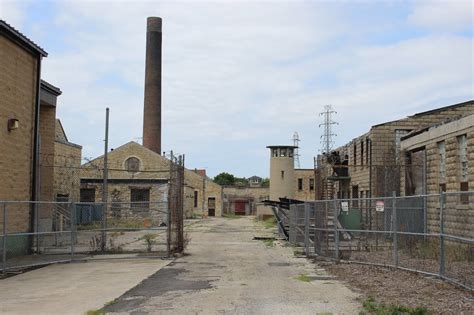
point(428, 234)
point(39, 233)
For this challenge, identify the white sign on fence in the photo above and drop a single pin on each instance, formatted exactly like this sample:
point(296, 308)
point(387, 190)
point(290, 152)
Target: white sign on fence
point(379, 206)
point(345, 206)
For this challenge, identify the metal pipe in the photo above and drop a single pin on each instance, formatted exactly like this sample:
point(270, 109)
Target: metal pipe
point(441, 235)
point(4, 250)
point(104, 186)
point(395, 230)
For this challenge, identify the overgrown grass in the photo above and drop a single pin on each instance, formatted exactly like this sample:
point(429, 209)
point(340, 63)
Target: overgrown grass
point(430, 249)
point(95, 312)
point(130, 223)
point(303, 278)
point(270, 223)
point(373, 308)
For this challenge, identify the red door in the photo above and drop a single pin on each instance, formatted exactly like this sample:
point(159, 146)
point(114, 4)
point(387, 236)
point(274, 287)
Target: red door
point(239, 207)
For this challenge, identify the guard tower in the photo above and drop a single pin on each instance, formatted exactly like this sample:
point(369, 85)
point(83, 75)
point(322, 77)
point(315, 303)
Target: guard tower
point(282, 171)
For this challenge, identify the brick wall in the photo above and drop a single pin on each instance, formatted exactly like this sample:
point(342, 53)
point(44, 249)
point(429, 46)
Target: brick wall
point(17, 100)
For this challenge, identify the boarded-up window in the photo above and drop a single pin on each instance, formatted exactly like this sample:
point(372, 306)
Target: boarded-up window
point(132, 164)
point(140, 198)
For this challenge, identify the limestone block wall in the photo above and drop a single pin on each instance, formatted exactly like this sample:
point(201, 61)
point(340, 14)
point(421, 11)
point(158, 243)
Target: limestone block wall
point(305, 193)
point(67, 161)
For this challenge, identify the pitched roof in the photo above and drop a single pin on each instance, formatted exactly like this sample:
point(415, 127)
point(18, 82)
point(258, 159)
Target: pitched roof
point(9, 31)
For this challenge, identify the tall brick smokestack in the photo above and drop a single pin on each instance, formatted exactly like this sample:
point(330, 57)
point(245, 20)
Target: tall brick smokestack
point(152, 104)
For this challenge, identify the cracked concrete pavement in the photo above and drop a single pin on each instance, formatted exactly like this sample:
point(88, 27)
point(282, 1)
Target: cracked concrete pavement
point(226, 271)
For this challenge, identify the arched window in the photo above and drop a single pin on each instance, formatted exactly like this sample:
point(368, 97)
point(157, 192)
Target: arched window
point(132, 164)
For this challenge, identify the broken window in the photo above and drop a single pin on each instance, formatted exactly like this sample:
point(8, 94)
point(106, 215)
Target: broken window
point(282, 152)
point(140, 199)
point(311, 184)
point(290, 152)
point(354, 158)
point(196, 198)
point(399, 133)
point(300, 184)
point(274, 152)
point(362, 152)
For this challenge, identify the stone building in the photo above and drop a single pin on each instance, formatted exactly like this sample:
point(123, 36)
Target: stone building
point(304, 186)
point(20, 64)
point(27, 138)
point(240, 200)
point(138, 175)
point(67, 164)
point(445, 153)
point(370, 165)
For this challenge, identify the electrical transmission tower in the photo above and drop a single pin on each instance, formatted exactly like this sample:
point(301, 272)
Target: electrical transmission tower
point(296, 143)
point(327, 137)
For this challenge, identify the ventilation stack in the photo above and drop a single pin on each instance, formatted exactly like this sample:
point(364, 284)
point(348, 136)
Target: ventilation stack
point(152, 103)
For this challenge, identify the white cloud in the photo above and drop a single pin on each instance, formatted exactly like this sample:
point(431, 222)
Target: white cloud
point(238, 76)
point(444, 15)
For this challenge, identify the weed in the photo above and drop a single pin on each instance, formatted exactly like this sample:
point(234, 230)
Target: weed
point(149, 240)
point(95, 312)
point(270, 223)
point(372, 307)
point(303, 278)
point(269, 242)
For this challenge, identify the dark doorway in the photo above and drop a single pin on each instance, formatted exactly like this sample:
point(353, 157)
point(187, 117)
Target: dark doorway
point(211, 205)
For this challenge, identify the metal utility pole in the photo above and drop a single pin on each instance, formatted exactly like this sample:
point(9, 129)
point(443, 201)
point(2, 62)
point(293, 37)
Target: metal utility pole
point(327, 137)
point(296, 142)
point(104, 185)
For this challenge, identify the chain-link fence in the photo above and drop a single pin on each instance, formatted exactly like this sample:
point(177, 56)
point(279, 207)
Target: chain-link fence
point(430, 234)
point(135, 212)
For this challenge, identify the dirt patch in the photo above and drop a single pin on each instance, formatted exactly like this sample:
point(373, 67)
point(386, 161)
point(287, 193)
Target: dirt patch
point(391, 286)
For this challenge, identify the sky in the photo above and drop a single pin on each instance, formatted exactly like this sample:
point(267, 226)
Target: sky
point(241, 75)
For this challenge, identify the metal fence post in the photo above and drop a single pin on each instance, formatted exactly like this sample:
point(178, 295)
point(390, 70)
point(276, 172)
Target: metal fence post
point(395, 229)
point(336, 231)
point(306, 228)
point(73, 226)
point(442, 197)
point(4, 250)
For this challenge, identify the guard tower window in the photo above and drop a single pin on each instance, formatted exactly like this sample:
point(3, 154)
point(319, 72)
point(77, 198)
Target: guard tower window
point(275, 152)
point(132, 164)
point(290, 152)
point(282, 152)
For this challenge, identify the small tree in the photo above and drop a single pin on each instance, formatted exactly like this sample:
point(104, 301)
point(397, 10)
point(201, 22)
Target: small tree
point(225, 179)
